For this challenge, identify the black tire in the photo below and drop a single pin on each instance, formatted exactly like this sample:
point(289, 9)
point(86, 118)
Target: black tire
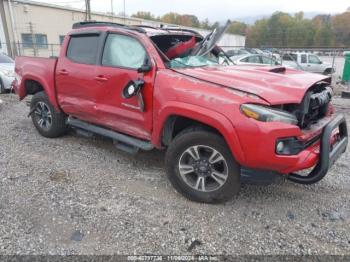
point(328, 71)
point(55, 127)
point(2, 88)
point(190, 138)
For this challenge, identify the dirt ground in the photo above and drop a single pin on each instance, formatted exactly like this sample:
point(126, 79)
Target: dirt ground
point(75, 195)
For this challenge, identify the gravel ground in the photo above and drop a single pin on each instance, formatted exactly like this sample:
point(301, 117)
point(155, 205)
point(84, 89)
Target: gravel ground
point(74, 195)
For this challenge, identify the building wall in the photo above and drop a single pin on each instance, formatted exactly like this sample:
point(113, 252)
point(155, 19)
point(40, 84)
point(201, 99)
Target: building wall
point(3, 48)
point(55, 21)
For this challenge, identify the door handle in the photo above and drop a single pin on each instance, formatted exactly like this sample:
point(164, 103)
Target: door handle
point(63, 72)
point(101, 78)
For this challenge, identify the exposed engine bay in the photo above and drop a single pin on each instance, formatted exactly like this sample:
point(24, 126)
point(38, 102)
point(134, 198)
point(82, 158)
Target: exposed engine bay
point(314, 105)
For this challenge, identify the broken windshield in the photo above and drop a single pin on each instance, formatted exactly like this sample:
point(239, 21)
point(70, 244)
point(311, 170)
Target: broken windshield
point(200, 61)
point(191, 61)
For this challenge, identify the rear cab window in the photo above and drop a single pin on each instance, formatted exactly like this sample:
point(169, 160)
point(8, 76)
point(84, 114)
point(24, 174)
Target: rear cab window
point(83, 49)
point(303, 59)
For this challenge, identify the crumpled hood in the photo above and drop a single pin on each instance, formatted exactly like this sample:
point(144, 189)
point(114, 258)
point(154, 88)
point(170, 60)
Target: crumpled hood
point(276, 88)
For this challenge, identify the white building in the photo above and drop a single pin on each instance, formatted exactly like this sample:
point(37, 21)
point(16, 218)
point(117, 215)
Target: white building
point(36, 28)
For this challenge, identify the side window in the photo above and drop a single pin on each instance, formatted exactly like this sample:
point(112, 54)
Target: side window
point(303, 59)
point(314, 59)
point(254, 59)
point(83, 49)
point(123, 51)
point(267, 60)
point(290, 57)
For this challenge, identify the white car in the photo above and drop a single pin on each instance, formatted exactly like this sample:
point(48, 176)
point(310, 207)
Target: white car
point(258, 59)
point(7, 73)
point(307, 62)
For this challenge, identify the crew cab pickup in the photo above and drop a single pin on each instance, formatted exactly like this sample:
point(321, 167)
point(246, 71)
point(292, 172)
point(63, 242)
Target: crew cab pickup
point(168, 88)
point(307, 62)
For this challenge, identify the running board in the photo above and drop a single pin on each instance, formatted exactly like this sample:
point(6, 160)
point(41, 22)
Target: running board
point(124, 139)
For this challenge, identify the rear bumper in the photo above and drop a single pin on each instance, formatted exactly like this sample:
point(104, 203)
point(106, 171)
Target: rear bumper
point(330, 151)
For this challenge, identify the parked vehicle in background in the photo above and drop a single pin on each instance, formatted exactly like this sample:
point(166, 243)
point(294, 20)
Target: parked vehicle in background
point(237, 52)
point(255, 60)
point(272, 52)
point(221, 124)
point(7, 73)
point(307, 62)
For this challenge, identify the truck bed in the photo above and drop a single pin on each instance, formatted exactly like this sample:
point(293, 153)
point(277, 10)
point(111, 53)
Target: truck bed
point(35, 68)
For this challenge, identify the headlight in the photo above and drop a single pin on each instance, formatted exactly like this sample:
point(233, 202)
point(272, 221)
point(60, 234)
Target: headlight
point(267, 114)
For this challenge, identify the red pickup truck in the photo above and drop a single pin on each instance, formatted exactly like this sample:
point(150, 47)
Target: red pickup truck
point(173, 89)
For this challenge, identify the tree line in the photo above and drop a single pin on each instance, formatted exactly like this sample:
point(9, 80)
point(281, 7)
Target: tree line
point(279, 30)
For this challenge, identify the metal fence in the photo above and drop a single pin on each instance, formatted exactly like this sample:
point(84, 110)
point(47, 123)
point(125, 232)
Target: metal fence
point(32, 49)
point(334, 56)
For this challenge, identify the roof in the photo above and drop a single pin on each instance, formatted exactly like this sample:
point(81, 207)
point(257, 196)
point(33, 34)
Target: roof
point(149, 30)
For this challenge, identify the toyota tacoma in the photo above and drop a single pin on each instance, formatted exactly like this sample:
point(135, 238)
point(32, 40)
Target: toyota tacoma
point(170, 88)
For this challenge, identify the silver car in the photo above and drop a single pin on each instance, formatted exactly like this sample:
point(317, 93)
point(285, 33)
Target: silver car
point(258, 59)
point(7, 73)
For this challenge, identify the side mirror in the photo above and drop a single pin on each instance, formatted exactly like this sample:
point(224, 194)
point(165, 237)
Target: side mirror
point(132, 88)
point(145, 68)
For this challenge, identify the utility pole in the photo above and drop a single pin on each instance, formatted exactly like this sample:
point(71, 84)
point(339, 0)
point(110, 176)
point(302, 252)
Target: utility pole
point(33, 38)
point(124, 10)
point(112, 7)
point(10, 52)
point(87, 10)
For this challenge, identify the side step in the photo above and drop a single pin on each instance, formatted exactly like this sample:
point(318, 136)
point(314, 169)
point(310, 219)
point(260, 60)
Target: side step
point(123, 142)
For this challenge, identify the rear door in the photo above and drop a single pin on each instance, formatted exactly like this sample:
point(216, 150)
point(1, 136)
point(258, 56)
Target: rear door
point(122, 56)
point(76, 71)
point(304, 62)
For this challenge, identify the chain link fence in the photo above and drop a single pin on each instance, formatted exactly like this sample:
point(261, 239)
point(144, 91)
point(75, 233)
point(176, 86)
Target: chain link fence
point(32, 49)
point(334, 57)
point(298, 58)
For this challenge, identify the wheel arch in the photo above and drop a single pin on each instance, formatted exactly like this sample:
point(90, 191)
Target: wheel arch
point(33, 85)
point(177, 116)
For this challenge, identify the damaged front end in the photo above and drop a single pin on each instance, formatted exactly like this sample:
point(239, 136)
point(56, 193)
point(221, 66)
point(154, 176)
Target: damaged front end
point(314, 106)
point(315, 112)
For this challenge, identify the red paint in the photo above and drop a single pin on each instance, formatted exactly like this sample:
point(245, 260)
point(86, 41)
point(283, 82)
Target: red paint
point(211, 95)
point(181, 48)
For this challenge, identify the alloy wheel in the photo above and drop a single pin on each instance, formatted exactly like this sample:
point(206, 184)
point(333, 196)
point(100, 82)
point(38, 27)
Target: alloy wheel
point(43, 115)
point(203, 168)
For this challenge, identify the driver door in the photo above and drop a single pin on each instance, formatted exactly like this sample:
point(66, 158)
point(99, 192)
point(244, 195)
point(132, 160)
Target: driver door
point(122, 56)
point(314, 64)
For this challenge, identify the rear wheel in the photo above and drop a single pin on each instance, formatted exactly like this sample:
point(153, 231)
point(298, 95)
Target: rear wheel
point(47, 121)
point(201, 167)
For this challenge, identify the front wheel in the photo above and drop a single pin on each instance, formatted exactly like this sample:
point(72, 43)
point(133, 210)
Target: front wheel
point(46, 119)
point(201, 167)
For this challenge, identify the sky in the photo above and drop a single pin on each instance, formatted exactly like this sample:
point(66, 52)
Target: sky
point(214, 10)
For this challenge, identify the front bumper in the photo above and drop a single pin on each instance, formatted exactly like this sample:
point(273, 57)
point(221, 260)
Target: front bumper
point(258, 142)
point(330, 151)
